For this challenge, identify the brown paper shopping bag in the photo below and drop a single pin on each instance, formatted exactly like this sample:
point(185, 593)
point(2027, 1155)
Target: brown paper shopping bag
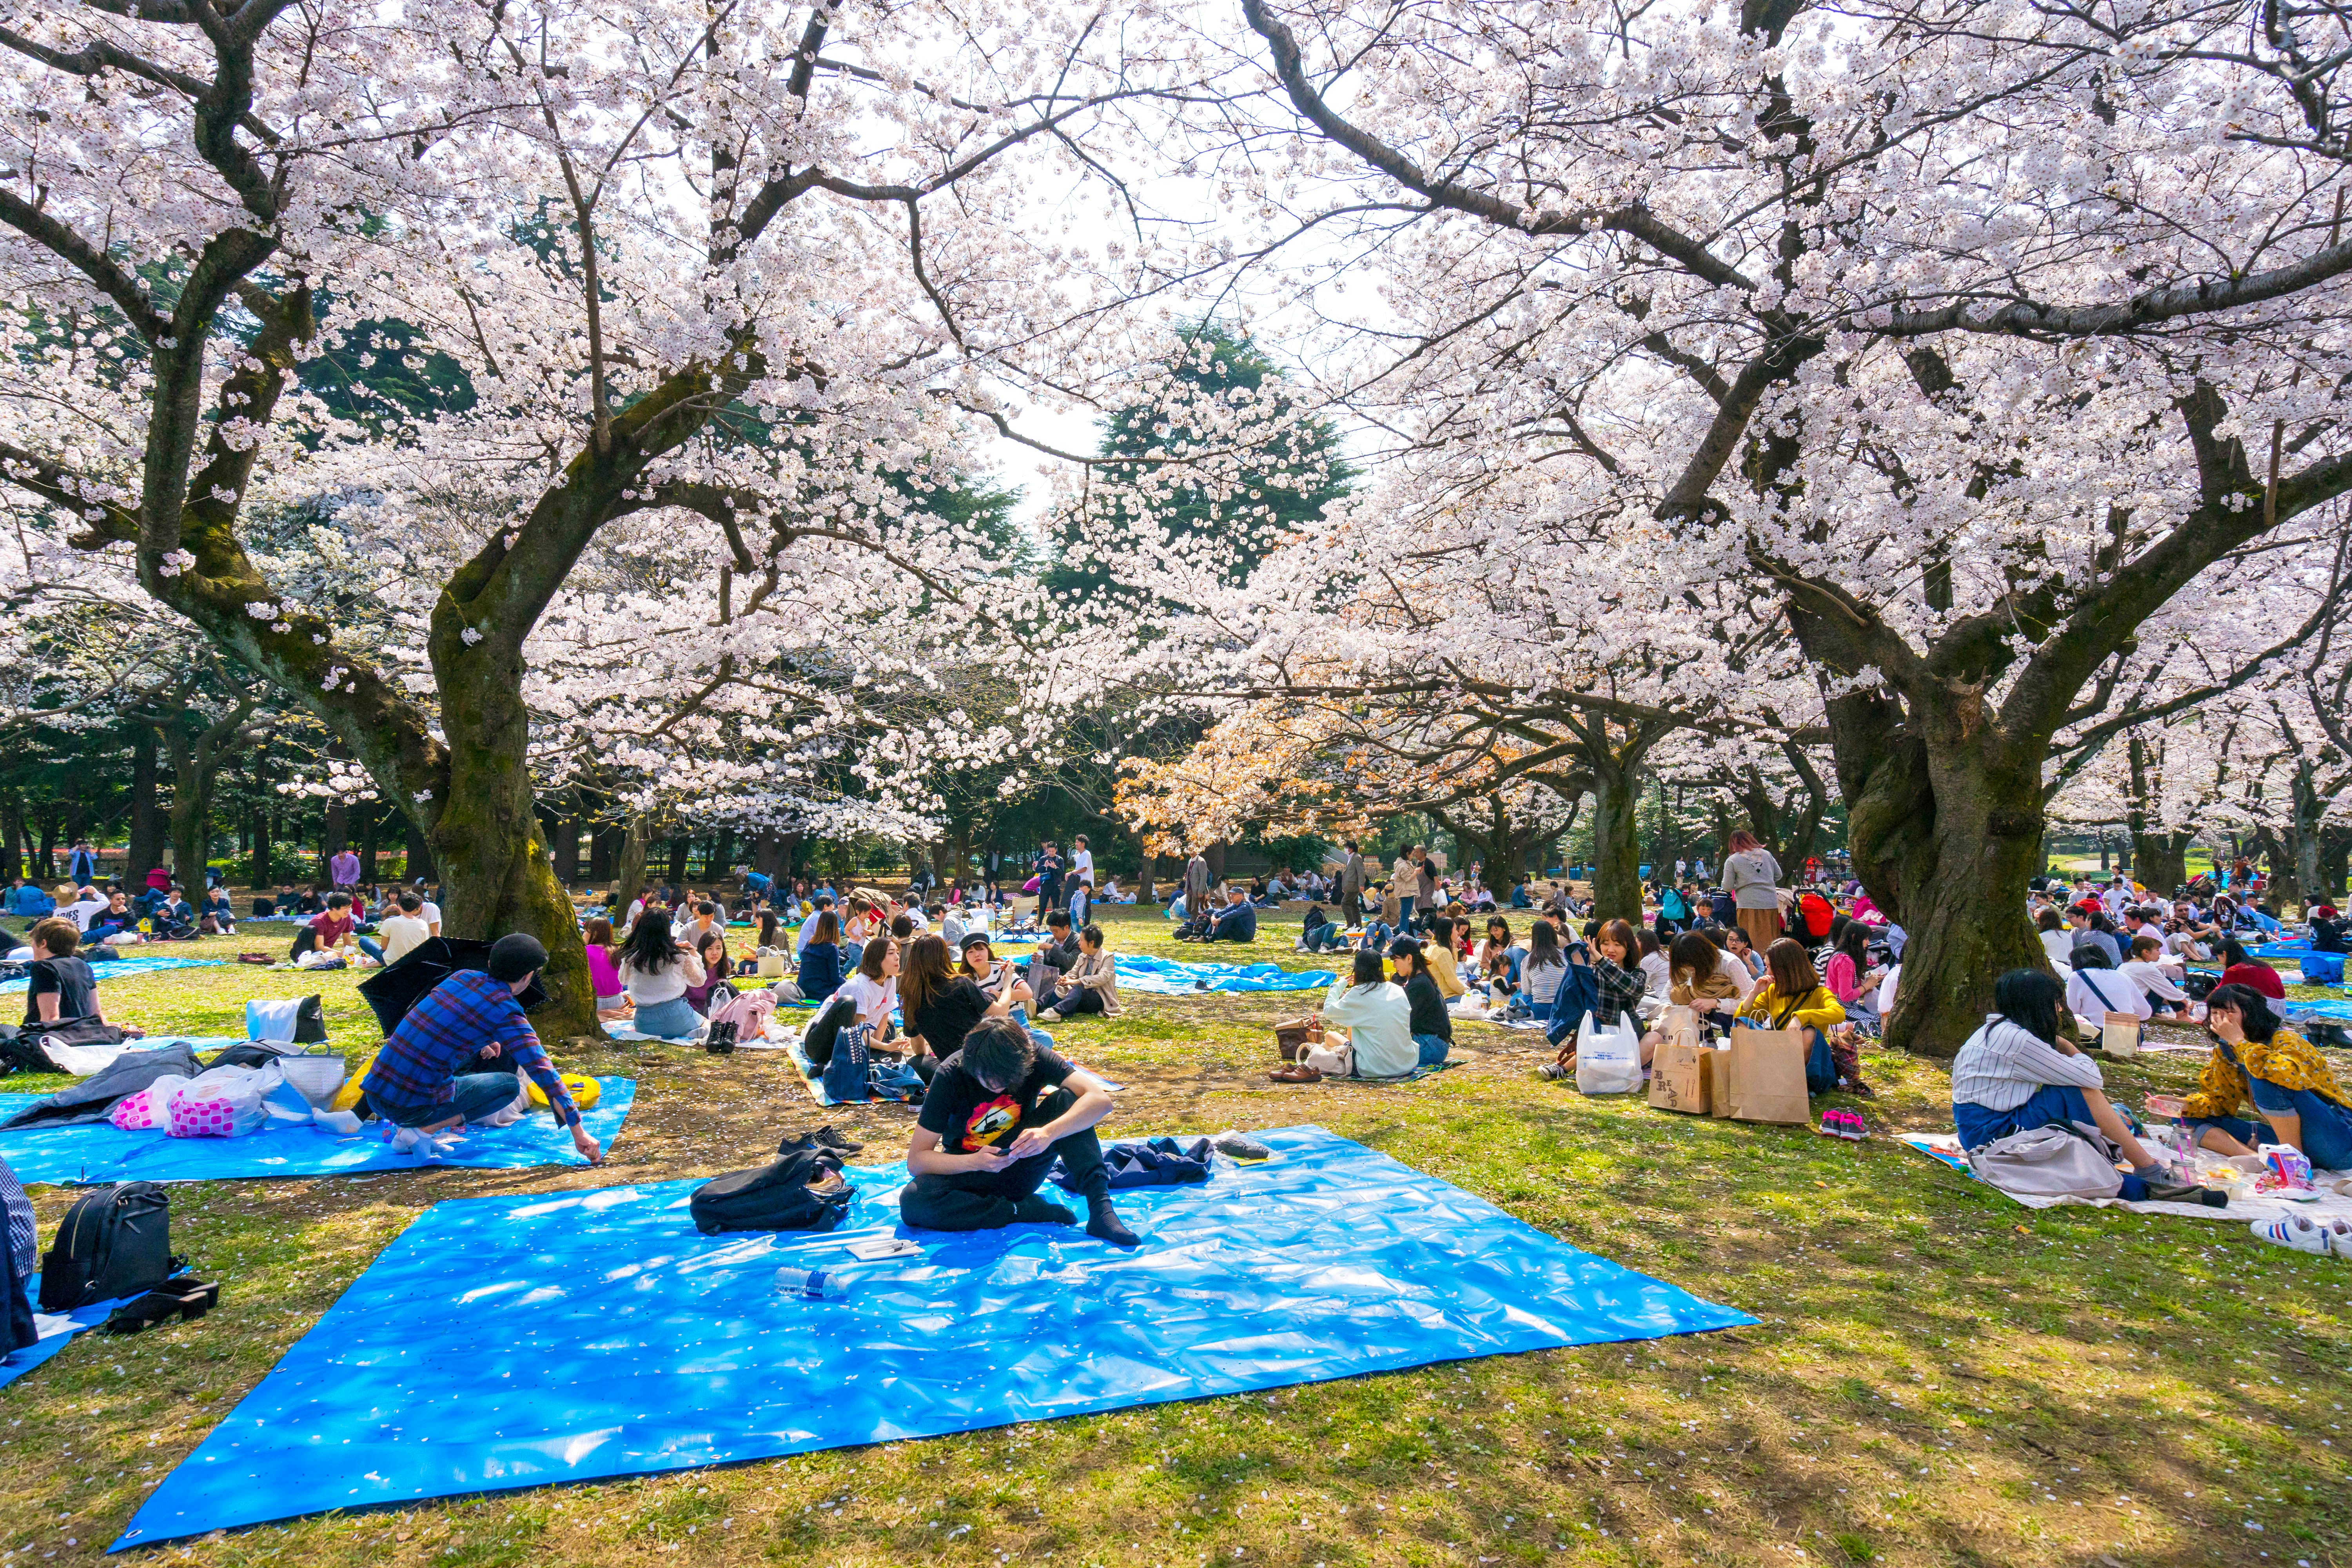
point(1717, 1067)
point(1765, 1080)
point(2119, 1035)
point(1678, 1078)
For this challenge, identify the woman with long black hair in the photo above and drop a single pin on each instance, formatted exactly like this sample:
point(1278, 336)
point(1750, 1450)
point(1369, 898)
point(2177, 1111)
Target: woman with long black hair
point(657, 970)
point(2019, 1071)
point(2257, 1058)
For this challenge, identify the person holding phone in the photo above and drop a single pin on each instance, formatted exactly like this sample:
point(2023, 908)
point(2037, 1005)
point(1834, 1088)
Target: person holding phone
point(997, 1115)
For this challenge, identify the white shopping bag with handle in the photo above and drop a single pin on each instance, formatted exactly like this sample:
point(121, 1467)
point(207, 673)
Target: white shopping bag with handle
point(1608, 1057)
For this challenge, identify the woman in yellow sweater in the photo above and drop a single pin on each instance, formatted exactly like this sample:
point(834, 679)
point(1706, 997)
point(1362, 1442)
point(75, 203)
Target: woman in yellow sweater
point(1794, 997)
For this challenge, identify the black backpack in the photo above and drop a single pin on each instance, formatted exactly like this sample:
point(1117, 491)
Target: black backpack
point(112, 1243)
point(803, 1191)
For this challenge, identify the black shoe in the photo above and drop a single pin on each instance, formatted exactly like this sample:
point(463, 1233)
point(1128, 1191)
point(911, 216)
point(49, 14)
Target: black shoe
point(719, 1041)
point(825, 1137)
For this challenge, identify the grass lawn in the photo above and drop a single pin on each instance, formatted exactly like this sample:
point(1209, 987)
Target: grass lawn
point(1939, 1376)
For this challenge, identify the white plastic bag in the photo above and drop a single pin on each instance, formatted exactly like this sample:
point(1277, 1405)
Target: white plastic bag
point(222, 1102)
point(1608, 1058)
point(148, 1108)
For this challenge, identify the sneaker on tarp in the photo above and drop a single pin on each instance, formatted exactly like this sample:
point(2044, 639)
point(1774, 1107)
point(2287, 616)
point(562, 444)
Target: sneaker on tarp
point(2296, 1231)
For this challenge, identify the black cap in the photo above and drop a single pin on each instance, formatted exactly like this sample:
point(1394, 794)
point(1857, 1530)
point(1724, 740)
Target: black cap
point(516, 955)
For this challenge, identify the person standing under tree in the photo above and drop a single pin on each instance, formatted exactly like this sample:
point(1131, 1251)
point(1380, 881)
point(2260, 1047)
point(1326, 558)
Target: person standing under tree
point(1081, 881)
point(343, 870)
point(1196, 887)
point(1352, 885)
point(1752, 877)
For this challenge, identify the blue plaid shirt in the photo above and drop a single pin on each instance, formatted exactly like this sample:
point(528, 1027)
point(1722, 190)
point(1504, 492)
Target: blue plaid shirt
point(442, 1033)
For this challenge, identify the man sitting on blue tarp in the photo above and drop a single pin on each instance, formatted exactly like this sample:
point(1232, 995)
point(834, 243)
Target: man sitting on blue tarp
point(994, 1118)
point(1237, 922)
point(415, 1081)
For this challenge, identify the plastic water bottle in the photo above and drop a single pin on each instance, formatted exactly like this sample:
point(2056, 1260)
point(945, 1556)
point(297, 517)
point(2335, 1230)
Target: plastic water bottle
point(811, 1284)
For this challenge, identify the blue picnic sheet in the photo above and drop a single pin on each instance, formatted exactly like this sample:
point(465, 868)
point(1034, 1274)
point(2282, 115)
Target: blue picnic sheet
point(54, 1331)
point(122, 968)
point(626, 1343)
point(1175, 977)
point(98, 1151)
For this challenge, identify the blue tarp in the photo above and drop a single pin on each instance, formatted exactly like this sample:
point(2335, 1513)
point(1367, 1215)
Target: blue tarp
point(1175, 977)
point(122, 968)
point(97, 1152)
point(2334, 1009)
point(511, 1341)
point(56, 1331)
point(2279, 949)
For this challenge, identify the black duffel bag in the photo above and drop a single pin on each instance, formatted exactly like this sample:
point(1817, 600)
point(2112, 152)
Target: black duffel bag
point(803, 1191)
point(114, 1242)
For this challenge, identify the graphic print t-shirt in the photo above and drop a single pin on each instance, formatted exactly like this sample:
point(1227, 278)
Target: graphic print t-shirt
point(968, 1115)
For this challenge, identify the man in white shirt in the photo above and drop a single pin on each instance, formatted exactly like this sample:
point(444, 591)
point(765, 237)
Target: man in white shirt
point(406, 930)
point(2144, 970)
point(1081, 881)
point(808, 927)
point(431, 914)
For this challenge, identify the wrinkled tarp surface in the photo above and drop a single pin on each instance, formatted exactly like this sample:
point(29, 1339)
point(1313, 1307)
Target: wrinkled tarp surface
point(509, 1341)
point(102, 1152)
point(122, 968)
point(2335, 1010)
point(1175, 977)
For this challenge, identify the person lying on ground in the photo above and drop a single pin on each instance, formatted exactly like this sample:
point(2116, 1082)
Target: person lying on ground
point(1091, 985)
point(2257, 1058)
point(1794, 997)
point(2019, 1071)
point(417, 1080)
point(1237, 922)
point(1436, 960)
point(1431, 1025)
point(2145, 971)
point(656, 971)
point(60, 986)
point(995, 1116)
point(1368, 1025)
point(2242, 968)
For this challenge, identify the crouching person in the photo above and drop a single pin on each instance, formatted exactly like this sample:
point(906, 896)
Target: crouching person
point(416, 1082)
point(994, 1116)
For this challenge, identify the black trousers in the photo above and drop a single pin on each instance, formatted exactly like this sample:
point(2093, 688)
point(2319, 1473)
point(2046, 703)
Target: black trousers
point(986, 1200)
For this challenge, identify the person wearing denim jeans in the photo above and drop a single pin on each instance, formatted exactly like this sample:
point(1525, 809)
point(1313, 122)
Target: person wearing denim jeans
point(2294, 1094)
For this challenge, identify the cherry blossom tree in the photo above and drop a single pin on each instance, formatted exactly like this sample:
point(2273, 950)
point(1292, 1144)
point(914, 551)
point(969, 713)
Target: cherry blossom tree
point(746, 264)
point(1956, 344)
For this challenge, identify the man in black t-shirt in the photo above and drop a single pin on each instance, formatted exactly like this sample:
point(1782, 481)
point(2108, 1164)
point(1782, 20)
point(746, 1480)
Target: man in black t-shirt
point(1049, 878)
point(995, 1116)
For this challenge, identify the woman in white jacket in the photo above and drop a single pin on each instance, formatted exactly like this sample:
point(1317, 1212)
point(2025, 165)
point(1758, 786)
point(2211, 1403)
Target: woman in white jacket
point(1378, 1019)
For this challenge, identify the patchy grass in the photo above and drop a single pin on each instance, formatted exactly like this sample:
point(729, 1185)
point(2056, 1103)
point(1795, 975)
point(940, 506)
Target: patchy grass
point(1941, 1376)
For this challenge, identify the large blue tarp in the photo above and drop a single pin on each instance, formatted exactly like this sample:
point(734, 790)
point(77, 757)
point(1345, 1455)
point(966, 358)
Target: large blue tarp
point(97, 1152)
point(55, 1331)
point(122, 968)
point(2334, 1009)
point(1175, 977)
point(511, 1341)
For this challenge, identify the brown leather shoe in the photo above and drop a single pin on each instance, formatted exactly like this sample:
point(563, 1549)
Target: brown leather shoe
point(1296, 1074)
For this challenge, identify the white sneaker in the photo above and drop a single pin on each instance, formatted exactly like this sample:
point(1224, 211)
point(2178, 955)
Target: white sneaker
point(2296, 1231)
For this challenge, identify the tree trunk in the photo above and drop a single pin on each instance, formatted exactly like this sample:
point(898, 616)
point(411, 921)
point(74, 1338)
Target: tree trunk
point(192, 815)
point(12, 833)
point(768, 854)
point(335, 832)
point(260, 869)
point(2161, 860)
point(419, 859)
point(2335, 848)
point(636, 842)
point(567, 849)
point(722, 854)
point(484, 838)
point(371, 825)
point(1944, 821)
point(146, 828)
point(1616, 843)
point(52, 828)
point(676, 873)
